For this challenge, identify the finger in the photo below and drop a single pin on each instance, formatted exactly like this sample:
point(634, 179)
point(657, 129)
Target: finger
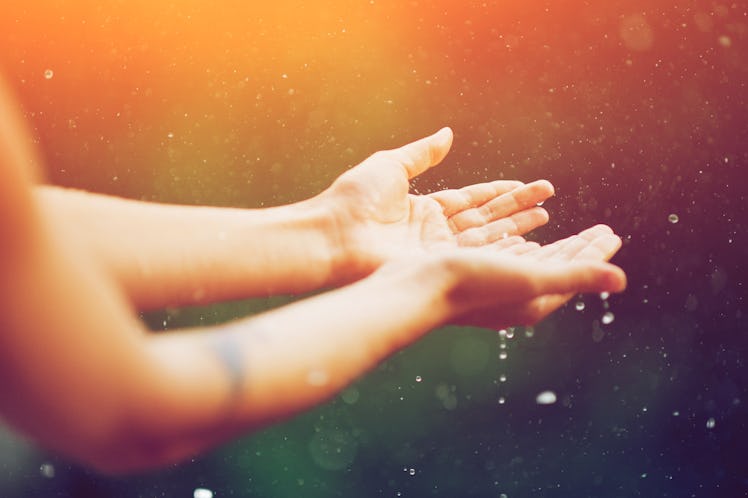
point(601, 249)
point(601, 244)
point(579, 276)
point(416, 157)
point(456, 200)
point(595, 242)
point(516, 224)
point(502, 206)
point(519, 249)
point(518, 285)
point(570, 248)
point(549, 251)
point(503, 243)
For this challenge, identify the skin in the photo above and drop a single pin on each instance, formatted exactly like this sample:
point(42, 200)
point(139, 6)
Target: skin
point(76, 267)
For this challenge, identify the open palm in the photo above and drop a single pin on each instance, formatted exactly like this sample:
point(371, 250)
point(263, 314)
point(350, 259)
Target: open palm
point(566, 266)
point(377, 218)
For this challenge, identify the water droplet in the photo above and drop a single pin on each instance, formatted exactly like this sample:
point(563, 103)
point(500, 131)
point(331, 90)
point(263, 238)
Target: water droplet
point(502, 400)
point(503, 495)
point(710, 423)
point(579, 306)
point(673, 218)
point(170, 135)
point(48, 74)
point(502, 345)
point(529, 332)
point(412, 472)
point(47, 470)
point(546, 398)
point(502, 333)
point(676, 413)
point(608, 318)
point(509, 333)
point(604, 295)
point(540, 203)
point(202, 493)
point(502, 355)
point(418, 378)
point(725, 41)
point(502, 378)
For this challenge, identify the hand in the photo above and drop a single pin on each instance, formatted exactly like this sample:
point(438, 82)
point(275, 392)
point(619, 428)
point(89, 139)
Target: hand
point(376, 217)
point(532, 281)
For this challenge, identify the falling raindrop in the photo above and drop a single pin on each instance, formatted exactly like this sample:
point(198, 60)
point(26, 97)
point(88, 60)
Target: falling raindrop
point(48, 74)
point(202, 493)
point(546, 398)
point(673, 218)
point(710, 423)
point(418, 378)
point(579, 305)
point(608, 317)
point(47, 470)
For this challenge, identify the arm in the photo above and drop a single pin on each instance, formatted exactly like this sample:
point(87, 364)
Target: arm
point(143, 401)
point(179, 255)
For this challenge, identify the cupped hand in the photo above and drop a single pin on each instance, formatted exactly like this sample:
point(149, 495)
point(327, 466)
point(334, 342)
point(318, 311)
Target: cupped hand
point(522, 282)
point(376, 218)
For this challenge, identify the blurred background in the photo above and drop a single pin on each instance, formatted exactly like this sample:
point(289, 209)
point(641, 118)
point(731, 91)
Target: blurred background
point(635, 110)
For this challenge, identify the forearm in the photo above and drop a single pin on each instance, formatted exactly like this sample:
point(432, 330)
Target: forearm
point(179, 255)
point(154, 400)
point(251, 373)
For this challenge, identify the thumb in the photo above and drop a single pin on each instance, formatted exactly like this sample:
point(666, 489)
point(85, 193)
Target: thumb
point(416, 157)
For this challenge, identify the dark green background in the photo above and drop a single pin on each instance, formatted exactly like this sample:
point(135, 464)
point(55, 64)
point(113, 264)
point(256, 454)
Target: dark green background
point(628, 134)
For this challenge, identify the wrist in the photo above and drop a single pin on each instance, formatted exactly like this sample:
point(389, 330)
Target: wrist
point(332, 255)
point(348, 261)
point(429, 276)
